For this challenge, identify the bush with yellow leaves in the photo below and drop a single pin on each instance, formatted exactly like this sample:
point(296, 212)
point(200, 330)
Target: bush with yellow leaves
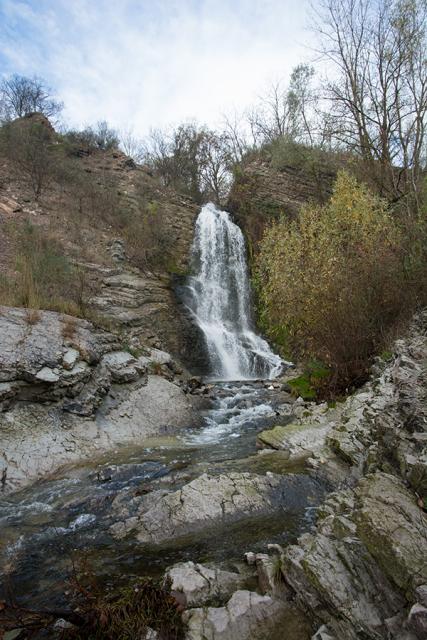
point(331, 284)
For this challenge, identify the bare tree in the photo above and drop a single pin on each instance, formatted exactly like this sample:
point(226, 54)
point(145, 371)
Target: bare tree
point(100, 136)
point(215, 161)
point(21, 96)
point(378, 90)
point(192, 159)
point(270, 119)
point(236, 136)
point(131, 145)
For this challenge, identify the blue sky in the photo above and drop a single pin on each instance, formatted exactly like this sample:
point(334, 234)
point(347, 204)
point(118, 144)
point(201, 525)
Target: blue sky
point(141, 63)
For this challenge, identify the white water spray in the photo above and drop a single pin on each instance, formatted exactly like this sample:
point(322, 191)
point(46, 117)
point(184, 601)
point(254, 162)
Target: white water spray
point(220, 301)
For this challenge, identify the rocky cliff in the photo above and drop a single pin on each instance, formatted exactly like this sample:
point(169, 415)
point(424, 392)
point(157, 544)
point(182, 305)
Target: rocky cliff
point(87, 200)
point(262, 192)
point(68, 392)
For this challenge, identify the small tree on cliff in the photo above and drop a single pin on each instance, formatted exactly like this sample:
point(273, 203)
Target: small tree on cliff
point(21, 96)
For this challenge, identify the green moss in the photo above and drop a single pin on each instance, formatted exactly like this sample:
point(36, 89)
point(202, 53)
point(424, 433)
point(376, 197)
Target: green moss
point(302, 386)
point(307, 385)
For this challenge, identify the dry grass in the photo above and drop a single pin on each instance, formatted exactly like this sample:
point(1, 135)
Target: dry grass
point(69, 327)
point(32, 316)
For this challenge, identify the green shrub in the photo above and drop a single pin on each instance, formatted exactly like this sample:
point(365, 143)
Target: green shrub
point(333, 283)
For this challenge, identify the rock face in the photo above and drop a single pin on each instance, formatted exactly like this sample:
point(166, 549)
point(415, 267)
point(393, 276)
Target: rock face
point(362, 572)
point(247, 616)
point(261, 193)
point(204, 502)
point(68, 392)
point(148, 311)
point(342, 573)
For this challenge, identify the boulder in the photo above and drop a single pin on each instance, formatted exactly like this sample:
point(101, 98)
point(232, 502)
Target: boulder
point(364, 561)
point(417, 621)
point(393, 528)
point(247, 616)
point(300, 440)
point(202, 585)
point(208, 501)
point(48, 356)
point(122, 366)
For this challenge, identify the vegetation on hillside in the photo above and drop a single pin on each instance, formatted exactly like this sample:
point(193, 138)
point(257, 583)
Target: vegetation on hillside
point(334, 282)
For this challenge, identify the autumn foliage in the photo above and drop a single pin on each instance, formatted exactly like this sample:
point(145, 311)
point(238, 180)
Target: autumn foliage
point(333, 282)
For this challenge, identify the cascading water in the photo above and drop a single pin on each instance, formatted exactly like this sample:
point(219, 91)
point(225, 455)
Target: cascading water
point(220, 301)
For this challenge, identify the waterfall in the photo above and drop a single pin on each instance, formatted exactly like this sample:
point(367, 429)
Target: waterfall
point(220, 301)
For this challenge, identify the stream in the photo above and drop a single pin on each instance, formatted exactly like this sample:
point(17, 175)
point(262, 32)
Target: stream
point(66, 517)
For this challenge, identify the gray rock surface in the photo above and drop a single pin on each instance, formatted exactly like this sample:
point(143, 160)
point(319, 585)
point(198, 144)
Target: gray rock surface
point(202, 585)
point(205, 502)
point(363, 561)
point(246, 616)
point(67, 392)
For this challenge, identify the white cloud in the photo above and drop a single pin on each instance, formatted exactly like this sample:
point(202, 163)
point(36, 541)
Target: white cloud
point(142, 63)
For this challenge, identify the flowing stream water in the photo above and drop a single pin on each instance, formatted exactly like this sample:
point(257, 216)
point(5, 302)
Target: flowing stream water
point(44, 526)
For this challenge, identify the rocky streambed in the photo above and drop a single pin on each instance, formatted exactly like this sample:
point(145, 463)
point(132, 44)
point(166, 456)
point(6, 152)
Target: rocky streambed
point(202, 495)
point(271, 517)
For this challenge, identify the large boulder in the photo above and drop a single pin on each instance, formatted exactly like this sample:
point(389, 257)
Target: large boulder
point(361, 567)
point(393, 528)
point(46, 355)
point(202, 585)
point(206, 502)
point(299, 440)
point(247, 616)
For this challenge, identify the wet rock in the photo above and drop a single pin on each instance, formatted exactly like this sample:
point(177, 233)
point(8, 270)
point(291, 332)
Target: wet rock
point(201, 585)
point(39, 438)
point(208, 501)
point(127, 472)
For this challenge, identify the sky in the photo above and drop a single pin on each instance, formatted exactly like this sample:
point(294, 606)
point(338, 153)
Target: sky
point(142, 64)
